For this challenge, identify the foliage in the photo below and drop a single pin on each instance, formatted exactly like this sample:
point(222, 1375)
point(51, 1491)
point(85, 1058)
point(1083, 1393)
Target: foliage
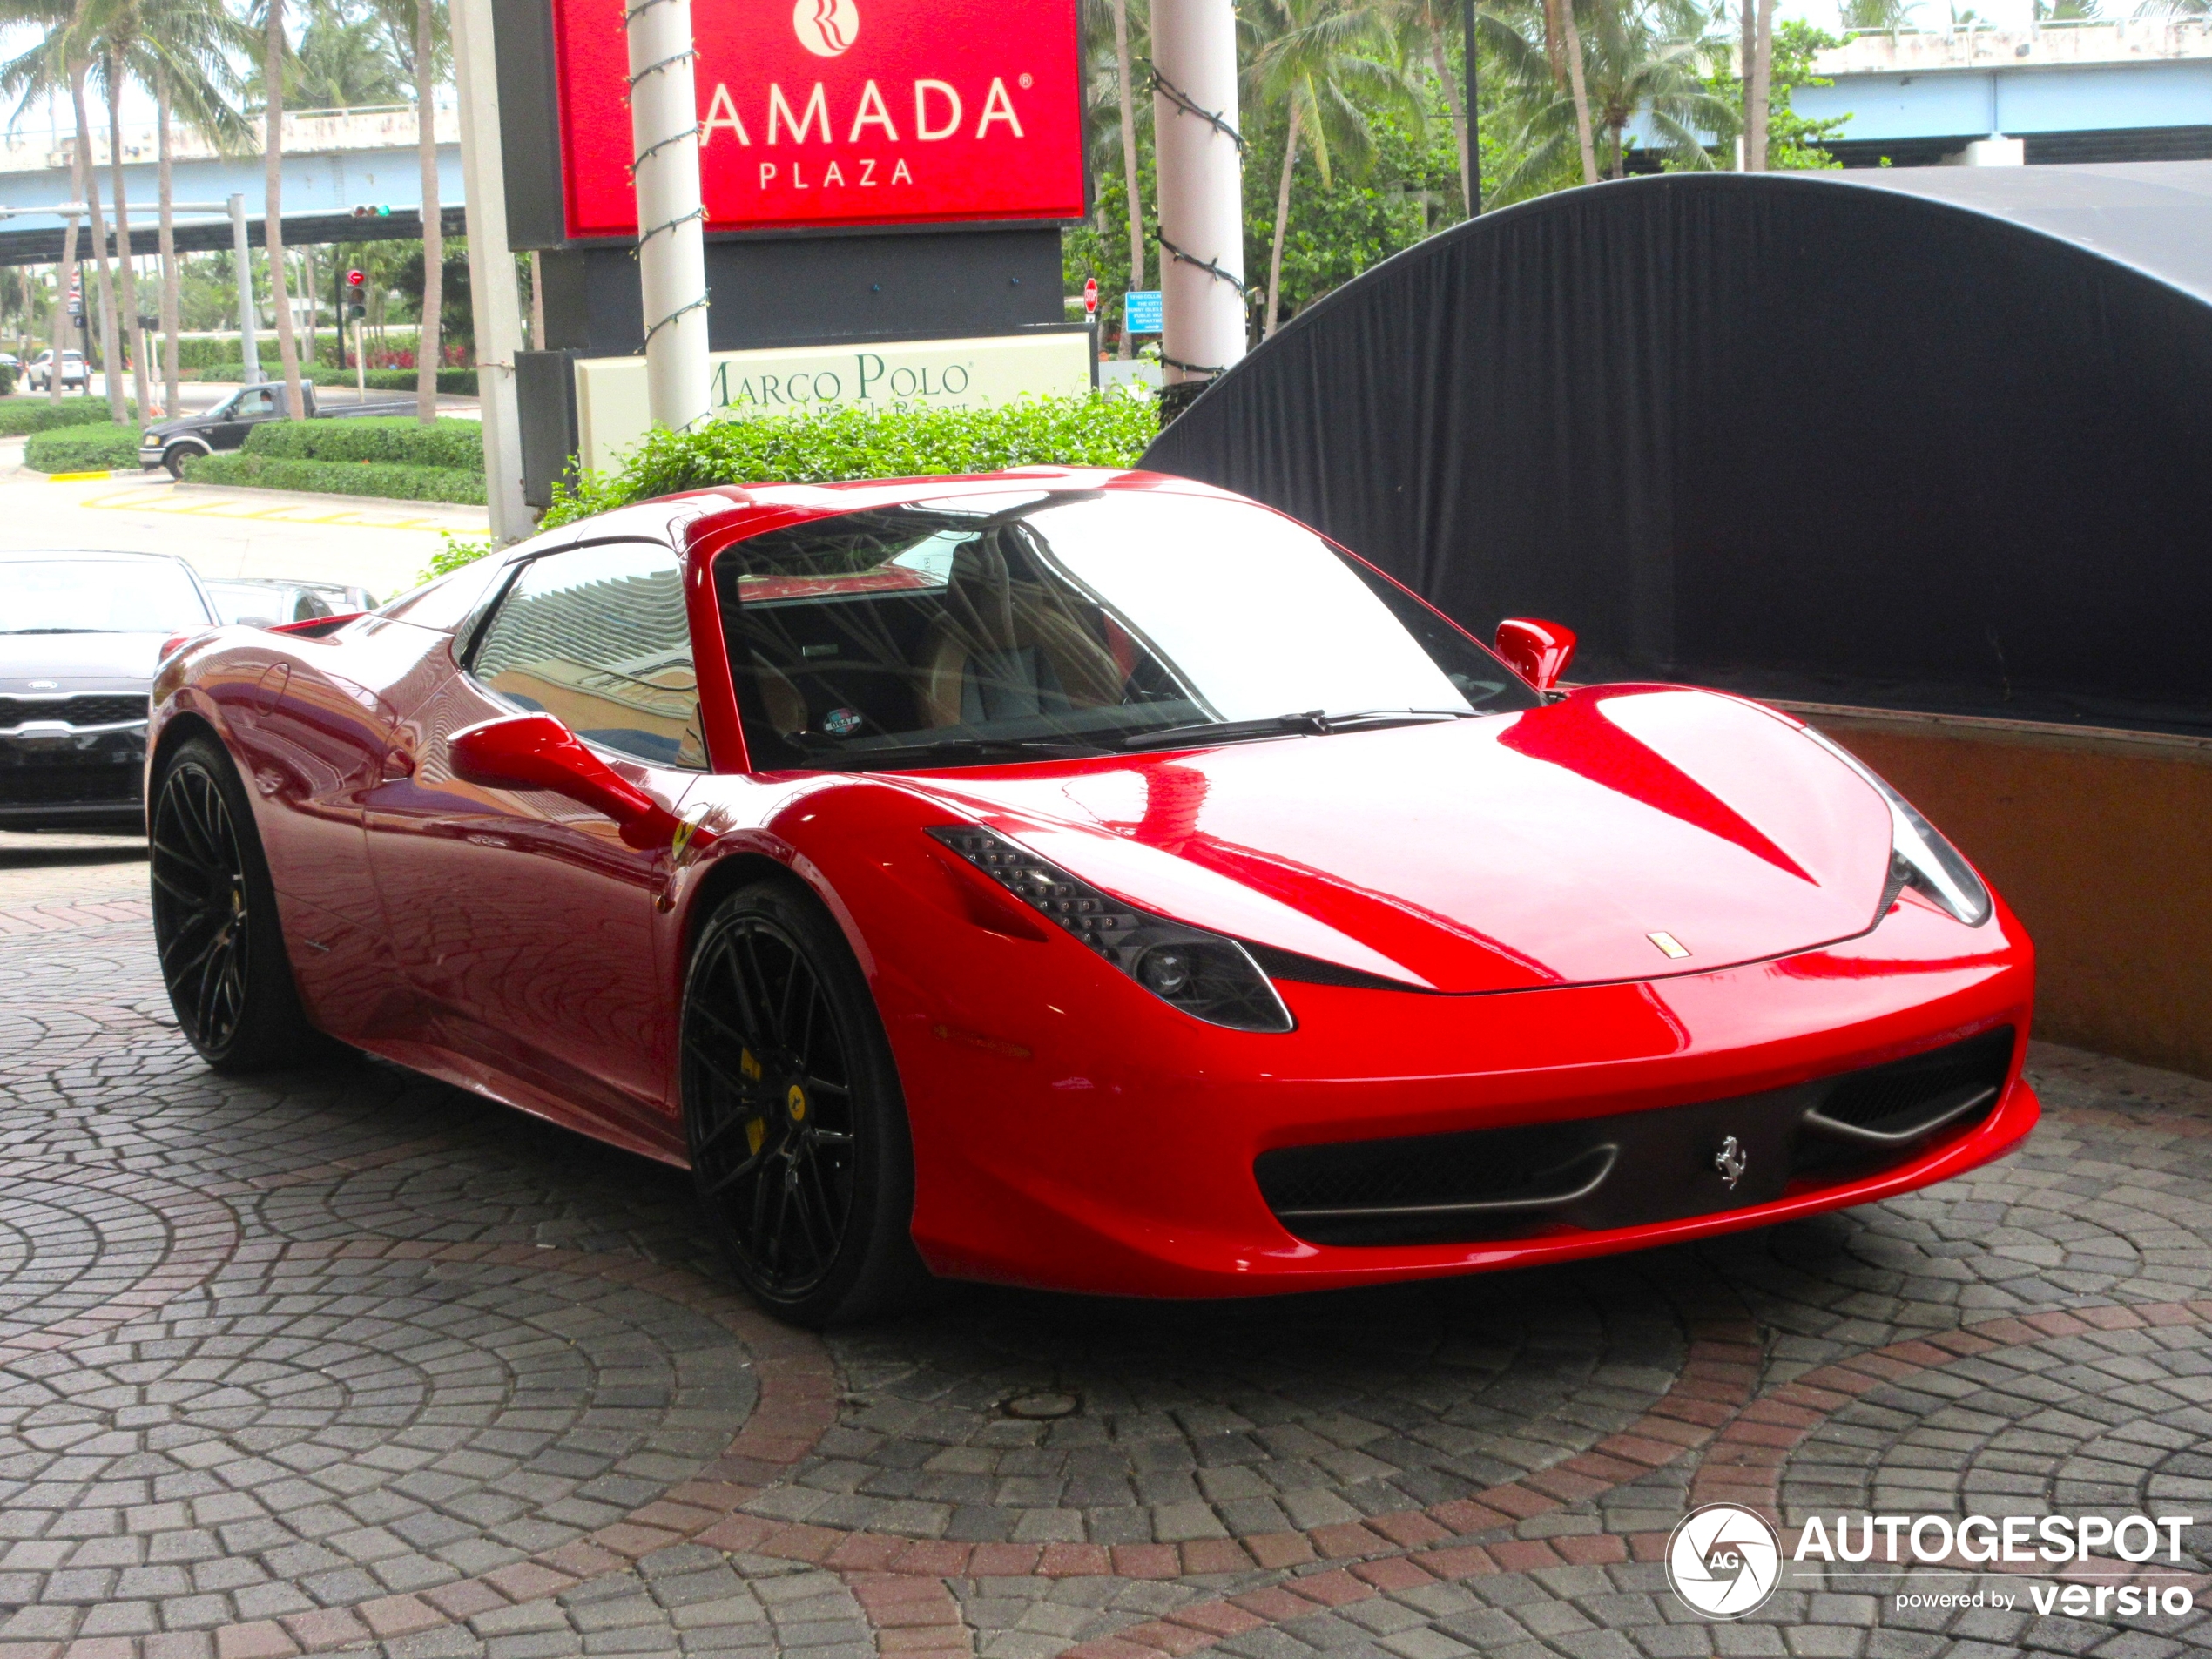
point(457, 444)
point(387, 481)
point(1410, 190)
point(27, 415)
point(1795, 143)
point(83, 447)
point(450, 557)
point(1871, 17)
point(1654, 60)
point(7, 380)
point(898, 441)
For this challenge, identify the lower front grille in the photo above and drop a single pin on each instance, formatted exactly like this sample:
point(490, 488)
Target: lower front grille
point(1637, 1167)
point(69, 785)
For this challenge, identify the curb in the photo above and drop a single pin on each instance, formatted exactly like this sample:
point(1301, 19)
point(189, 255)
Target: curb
point(73, 477)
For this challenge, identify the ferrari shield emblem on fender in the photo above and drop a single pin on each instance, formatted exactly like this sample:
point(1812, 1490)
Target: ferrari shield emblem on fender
point(1732, 1161)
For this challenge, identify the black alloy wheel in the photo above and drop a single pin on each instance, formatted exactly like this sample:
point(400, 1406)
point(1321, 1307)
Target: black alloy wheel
point(797, 1130)
point(214, 918)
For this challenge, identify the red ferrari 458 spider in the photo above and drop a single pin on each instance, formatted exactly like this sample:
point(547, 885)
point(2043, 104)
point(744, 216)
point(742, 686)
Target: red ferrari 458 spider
point(1085, 879)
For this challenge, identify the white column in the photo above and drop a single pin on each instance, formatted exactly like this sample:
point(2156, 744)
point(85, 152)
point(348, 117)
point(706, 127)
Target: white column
point(1201, 185)
point(493, 296)
point(242, 256)
point(671, 221)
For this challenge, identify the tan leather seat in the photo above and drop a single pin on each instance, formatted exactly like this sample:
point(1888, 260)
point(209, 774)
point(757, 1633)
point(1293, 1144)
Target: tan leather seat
point(1007, 646)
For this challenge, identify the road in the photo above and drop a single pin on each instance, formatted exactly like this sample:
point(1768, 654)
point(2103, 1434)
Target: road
point(383, 546)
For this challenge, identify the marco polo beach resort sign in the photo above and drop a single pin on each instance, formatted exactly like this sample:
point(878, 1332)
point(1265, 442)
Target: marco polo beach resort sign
point(840, 112)
point(610, 391)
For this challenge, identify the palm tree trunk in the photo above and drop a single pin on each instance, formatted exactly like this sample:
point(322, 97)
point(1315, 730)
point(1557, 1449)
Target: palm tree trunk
point(1459, 113)
point(1762, 80)
point(66, 277)
point(428, 348)
point(1614, 171)
point(272, 211)
point(126, 270)
point(1749, 51)
point(1282, 223)
point(172, 294)
point(1129, 170)
point(1582, 91)
point(109, 356)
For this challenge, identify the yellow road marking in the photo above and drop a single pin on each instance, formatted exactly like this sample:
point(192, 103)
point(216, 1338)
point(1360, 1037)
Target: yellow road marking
point(74, 477)
point(156, 499)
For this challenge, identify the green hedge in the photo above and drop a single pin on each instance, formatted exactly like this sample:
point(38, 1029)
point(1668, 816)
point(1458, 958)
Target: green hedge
point(898, 441)
point(460, 382)
point(7, 380)
point(37, 414)
point(83, 449)
point(399, 439)
point(382, 480)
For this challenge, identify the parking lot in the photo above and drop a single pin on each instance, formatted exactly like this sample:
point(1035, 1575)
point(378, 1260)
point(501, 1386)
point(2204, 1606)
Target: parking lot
point(342, 1359)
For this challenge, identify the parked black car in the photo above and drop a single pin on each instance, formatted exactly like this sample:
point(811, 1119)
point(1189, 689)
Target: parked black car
point(171, 443)
point(80, 634)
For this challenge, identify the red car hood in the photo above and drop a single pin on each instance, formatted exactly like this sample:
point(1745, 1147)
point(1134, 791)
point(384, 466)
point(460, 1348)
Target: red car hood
point(1543, 848)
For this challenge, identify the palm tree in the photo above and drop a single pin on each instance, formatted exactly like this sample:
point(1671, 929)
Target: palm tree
point(1426, 26)
point(418, 31)
point(1650, 60)
point(344, 61)
point(1313, 57)
point(89, 180)
point(275, 52)
point(42, 72)
point(1869, 16)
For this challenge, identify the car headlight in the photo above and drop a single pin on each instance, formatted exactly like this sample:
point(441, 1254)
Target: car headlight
point(1920, 857)
point(1207, 976)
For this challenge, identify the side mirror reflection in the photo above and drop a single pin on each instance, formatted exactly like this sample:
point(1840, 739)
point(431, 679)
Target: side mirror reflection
point(1538, 651)
point(536, 751)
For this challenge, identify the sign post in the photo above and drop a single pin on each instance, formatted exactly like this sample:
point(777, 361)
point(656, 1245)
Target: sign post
point(242, 257)
point(671, 229)
point(496, 304)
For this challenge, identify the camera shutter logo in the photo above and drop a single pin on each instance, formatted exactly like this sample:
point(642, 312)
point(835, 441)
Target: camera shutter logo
point(827, 28)
point(1724, 1560)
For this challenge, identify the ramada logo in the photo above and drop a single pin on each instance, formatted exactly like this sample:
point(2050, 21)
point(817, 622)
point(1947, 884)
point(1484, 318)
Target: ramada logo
point(827, 28)
point(1724, 1560)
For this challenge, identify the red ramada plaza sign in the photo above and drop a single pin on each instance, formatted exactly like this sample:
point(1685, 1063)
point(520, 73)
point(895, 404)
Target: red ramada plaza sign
point(840, 112)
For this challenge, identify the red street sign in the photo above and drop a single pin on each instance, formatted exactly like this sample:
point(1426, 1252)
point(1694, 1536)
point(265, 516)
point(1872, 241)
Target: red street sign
point(840, 112)
point(1090, 296)
point(355, 278)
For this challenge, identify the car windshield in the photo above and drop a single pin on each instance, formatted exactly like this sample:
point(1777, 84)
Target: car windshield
point(997, 627)
point(98, 596)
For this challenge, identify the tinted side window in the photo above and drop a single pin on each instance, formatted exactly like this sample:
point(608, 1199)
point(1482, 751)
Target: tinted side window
point(596, 637)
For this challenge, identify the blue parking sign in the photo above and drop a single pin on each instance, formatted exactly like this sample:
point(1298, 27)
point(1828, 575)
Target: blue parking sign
point(1141, 313)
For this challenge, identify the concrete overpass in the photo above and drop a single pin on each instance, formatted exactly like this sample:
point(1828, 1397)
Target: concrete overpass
point(2135, 89)
point(334, 160)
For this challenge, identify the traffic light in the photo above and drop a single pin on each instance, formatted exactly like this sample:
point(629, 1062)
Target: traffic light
point(354, 280)
point(371, 210)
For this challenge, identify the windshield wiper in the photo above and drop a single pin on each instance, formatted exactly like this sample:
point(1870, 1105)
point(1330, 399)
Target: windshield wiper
point(1310, 723)
point(966, 749)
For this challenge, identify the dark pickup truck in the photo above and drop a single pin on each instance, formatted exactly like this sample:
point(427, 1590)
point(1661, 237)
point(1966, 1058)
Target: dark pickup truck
point(171, 443)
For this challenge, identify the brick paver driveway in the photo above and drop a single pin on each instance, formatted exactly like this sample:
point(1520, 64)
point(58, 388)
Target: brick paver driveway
point(342, 1359)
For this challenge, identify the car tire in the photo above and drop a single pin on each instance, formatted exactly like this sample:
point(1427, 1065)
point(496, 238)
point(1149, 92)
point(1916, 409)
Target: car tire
point(215, 921)
point(793, 1114)
point(175, 456)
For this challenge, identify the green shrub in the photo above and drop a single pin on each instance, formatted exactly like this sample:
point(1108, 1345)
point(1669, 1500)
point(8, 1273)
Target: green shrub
point(898, 441)
point(458, 382)
point(401, 439)
point(7, 380)
point(386, 480)
point(38, 414)
point(223, 351)
point(83, 449)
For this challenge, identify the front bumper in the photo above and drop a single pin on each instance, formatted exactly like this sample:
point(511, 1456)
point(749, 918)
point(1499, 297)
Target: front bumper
point(1070, 1137)
point(68, 776)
